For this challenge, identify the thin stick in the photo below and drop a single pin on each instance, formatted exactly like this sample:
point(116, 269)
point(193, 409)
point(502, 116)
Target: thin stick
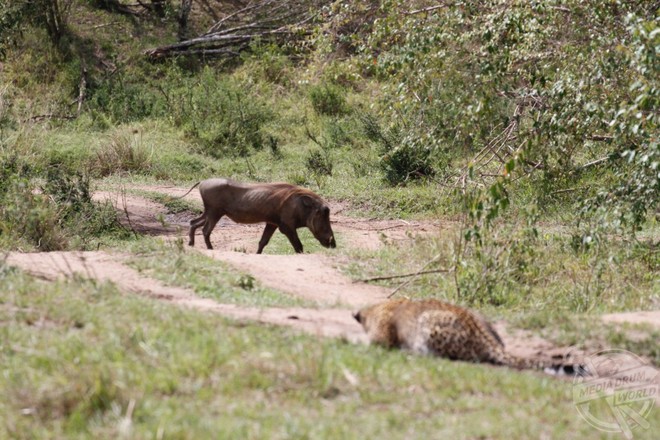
point(561, 191)
point(594, 163)
point(391, 277)
point(415, 275)
point(429, 9)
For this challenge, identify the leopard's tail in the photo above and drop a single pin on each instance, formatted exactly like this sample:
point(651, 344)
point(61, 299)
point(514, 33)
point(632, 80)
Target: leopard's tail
point(560, 367)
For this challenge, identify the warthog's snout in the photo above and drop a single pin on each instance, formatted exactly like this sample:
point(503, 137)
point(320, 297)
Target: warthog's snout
point(332, 243)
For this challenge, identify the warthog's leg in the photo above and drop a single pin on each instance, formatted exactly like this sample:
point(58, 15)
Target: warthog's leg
point(212, 219)
point(265, 238)
point(292, 235)
point(194, 224)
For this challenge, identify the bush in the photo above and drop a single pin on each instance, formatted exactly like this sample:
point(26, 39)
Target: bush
point(77, 212)
point(12, 166)
point(124, 100)
point(30, 218)
point(122, 151)
point(408, 161)
point(318, 163)
point(50, 217)
point(328, 100)
point(409, 152)
point(224, 117)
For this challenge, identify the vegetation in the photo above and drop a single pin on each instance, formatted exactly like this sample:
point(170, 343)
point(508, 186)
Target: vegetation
point(530, 128)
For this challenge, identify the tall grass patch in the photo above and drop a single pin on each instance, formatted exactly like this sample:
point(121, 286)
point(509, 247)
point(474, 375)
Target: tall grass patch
point(123, 150)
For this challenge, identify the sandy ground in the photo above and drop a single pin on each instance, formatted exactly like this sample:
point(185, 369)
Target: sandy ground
point(310, 276)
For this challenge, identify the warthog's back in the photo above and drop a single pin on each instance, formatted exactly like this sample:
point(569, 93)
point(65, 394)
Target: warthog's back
point(246, 202)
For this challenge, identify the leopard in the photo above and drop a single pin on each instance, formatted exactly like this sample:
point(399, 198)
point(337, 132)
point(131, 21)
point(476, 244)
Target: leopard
point(438, 328)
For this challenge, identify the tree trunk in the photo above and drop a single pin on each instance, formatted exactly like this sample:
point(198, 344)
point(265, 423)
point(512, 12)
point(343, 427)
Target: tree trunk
point(184, 12)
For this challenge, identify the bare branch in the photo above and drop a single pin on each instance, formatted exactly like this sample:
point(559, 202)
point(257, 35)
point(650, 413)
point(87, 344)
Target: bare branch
point(271, 21)
point(406, 275)
point(428, 9)
point(415, 275)
point(600, 137)
point(593, 163)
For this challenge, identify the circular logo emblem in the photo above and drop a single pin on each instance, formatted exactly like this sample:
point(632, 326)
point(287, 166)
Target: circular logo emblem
point(617, 393)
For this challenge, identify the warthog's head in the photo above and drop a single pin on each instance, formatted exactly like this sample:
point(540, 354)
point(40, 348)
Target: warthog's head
point(318, 221)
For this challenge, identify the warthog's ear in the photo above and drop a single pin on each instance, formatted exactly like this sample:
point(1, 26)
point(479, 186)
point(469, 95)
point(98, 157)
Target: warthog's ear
point(326, 211)
point(307, 202)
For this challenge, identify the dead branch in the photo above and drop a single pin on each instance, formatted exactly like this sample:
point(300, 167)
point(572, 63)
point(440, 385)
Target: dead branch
point(593, 163)
point(405, 275)
point(561, 8)
point(270, 21)
point(39, 118)
point(81, 89)
point(413, 276)
point(567, 190)
point(600, 137)
point(428, 9)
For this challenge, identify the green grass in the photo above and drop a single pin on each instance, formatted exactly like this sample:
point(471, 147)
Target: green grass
point(77, 355)
point(560, 279)
point(176, 265)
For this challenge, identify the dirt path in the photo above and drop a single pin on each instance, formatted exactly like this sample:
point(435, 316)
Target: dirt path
point(109, 267)
point(308, 276)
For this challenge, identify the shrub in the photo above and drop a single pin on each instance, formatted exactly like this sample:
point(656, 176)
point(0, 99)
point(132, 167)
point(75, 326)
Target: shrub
point(224, 117)
point(31, 218)
point(124, 151)
point(77, 214)
point(410, 160)
point(328, 100)
point(12, 166)
point(318, 163)
point(124, 100)
point(409, 152)
point(51, 216)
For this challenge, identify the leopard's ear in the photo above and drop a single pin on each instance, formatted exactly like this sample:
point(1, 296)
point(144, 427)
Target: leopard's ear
point(357, 317)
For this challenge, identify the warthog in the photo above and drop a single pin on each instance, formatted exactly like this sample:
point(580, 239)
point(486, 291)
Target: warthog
point(279, 205)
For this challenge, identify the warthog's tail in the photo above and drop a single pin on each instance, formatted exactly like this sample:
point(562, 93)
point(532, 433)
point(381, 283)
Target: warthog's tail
point(193, 187)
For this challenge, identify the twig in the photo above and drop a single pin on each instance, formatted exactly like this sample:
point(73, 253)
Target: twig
point(412, 278)
point(99, 26)
point(600, 137)
point(312, 137)
point(405, 275)
point(561, 191)
point(594, 163)
point(82, 87)
point(429, 9)
point(128, 217)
